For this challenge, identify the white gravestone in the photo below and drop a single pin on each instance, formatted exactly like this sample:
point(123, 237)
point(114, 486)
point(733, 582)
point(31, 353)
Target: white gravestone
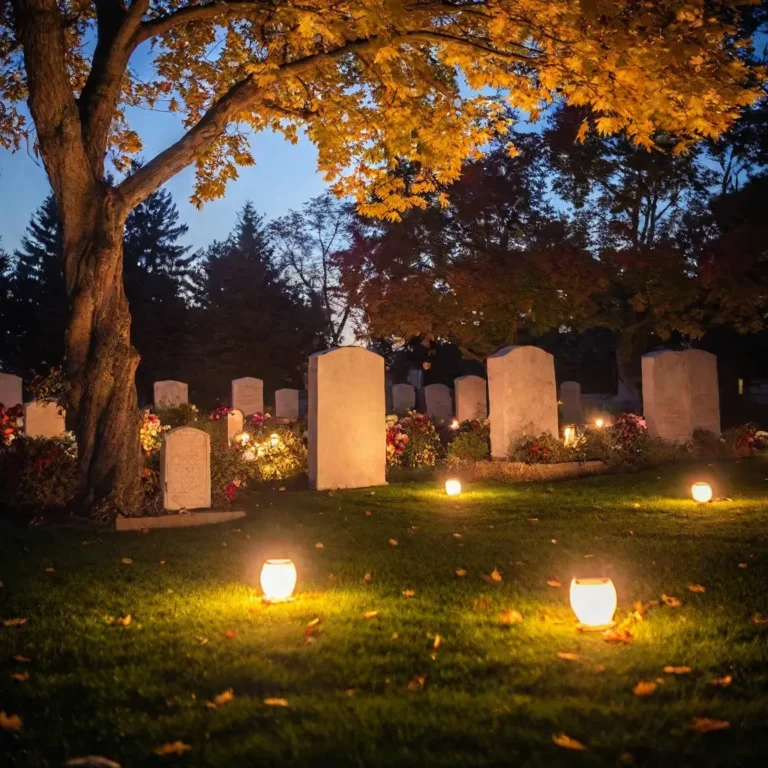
point(403, 398)
point(43, 420)
point(287, 404)
point(570, 397)
point(523, 397)
point(10, 390)
point(347, 435)
point(437, 402)
point(234, 423)
point(680, 394)
point(248, 395)
point(471, 398)
point(170, 393)
point(185, 469)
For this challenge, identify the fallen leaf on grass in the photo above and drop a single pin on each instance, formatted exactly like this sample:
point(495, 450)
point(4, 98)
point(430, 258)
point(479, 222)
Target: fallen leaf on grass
point(128, 561)
point(10, 722)
point(172, 748)
point(437, 642)
point(91, 761)
point(696, 588)
point(276, 702)
point(670, 601)
point(14, 622)
point(319, 545)
point(669, 670)
point(644, 688)
point(723, 682)
point(554, 583)
point(20, 677)
point(312, 624)
point(392, 542)
point(202, 640)
point(461, 572)
point(706, 724)
point(510, 617)
point(123, 621)
point(50, 570)
point(21, 659)
point(409, 592)
point(456, 535)
point(219, 701)
point(566, 742)
point(759, 619)
point(367, 578)
point(370, 614)
point(368, 513)
point(230, 634)
point(417, 683)
point(618, 635)
point(568, 656)
point(588, 556)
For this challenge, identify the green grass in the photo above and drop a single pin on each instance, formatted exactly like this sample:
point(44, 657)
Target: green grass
point(492, 695)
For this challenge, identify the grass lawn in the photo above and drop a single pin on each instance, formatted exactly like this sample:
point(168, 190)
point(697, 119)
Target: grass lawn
point(376, 691)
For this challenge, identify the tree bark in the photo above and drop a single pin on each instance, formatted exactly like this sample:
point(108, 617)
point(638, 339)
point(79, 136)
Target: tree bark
point(628, 355)
point(101, 363)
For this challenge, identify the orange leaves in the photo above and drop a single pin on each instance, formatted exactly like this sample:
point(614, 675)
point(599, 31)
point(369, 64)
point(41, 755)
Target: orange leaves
point(230, 634)
point(670, 670)
point(409, 592)
point(319, 545)
point(644, 688)
point(554, 583)
point(417, 683)
point(172, 748)
point(370, 614)
point(14, 622)
point(566, 742)
point(20, 677)
point(124, 621)
point(707, 725)
point(697, 588)
point(127, 561)
point(618, 634)
point(565, 656)
point(722, 682)
point(392, 542)
point(272, 702)
point(221, 699)
point(510, 617)
point(21, 659)
point(671, 602)
point(10, 722)
point(461, 572)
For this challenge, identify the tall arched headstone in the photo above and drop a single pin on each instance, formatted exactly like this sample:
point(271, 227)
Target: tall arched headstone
point(680, 394)
point(287, 404)
point(185, 469)
point(438, 402)
point(347, 434)
point(570, 397)
point(403, 398)
point(170, 393)
point(10, 390)
point(523, 397)
point(43, 420)
point(248, 395)
point(471, 398)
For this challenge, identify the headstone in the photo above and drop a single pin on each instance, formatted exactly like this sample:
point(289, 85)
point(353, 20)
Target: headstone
point(248, 395)
point(438, 402)
point(347, 436)
point(185, 469)
point(471, 398)
point(287, 404)
point(10, 390)
point(403, 398)
point(170, 393)
point(523, 397)
point(680, 394)
point(43, 420)
point(234, 423)
point(570, 397)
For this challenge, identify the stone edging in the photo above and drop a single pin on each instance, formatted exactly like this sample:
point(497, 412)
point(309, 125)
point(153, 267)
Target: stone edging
point(176, 521)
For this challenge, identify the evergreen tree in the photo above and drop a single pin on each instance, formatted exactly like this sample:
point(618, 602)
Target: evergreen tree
point(250, 320)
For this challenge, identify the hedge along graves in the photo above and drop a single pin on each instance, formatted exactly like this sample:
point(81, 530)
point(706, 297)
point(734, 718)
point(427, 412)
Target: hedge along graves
point(570, 397)
point(438, 403)
point(43, 420)
point(471, 398)
point(234, 424)
point(403, 398)
point(10, 390)
point(185, 469)
point(248, 395)
point(287, 404)
point(523, 397)
point(347, 439)
point(680, 394)
point(170, 393)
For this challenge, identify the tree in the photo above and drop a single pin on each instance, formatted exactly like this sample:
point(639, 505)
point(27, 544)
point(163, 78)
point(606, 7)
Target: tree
point(308, 243)
point(371, 83)
point(249, 318)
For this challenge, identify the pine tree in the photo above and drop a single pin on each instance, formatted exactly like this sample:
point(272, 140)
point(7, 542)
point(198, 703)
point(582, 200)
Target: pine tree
point(250, 321)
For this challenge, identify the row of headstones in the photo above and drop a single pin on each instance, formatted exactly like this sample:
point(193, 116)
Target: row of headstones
point(40, 419)
point(470, 392)
point(247, 397)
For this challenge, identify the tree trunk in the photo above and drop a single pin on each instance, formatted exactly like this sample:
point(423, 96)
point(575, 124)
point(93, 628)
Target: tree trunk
point(627, 359)
point(101, 363)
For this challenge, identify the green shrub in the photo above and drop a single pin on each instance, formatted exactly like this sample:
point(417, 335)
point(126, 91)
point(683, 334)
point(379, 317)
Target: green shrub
point(472, 442)
point(423, 447)
point(183, 415)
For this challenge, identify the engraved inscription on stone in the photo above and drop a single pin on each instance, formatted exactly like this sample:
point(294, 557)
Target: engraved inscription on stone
point(185, 469)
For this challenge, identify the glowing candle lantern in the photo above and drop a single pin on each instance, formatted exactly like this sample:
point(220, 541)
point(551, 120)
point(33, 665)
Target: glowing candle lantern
point(455, 424)
point(274, 439)
point(241, 438)
point(599, 423)
point(278, 579)
point(452, 487)
point(569, 435)
point(701, 492)
point(593, 601)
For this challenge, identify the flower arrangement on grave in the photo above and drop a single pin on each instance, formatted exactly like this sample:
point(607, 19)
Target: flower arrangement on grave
point(11, 423)
point(219, 413)
point(417, 440)
point(471, 441)
point(548, 449)
point(397, 441)
point(628, 430)
point(151, 432)
point(258, 420)
point(274, 453)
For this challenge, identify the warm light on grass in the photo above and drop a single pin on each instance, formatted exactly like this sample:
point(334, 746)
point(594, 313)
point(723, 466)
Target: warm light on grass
point(593, 601)
point(701, 492)
point(278, 579)
point(452, 487)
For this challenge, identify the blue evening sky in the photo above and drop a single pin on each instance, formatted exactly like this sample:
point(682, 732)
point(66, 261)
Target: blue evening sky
point(284, 177)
